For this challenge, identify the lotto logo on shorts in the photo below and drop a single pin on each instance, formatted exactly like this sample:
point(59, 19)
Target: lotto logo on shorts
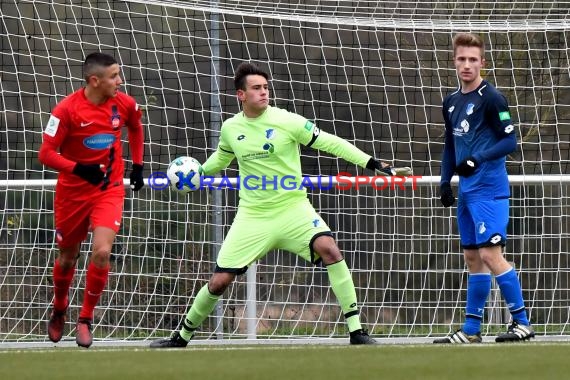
point(496, 239)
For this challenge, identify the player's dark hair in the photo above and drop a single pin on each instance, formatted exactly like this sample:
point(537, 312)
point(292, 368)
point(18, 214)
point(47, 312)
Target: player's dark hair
point(468, 40)
point(243, 70)
point(94, 61)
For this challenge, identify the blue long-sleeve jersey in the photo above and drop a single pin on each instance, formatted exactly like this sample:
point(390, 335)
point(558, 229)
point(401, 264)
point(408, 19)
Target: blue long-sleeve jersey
point(478, 124)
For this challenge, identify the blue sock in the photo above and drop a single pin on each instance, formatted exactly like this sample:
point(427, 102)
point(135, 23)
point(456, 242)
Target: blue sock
point(511, 290)
point(478, 289)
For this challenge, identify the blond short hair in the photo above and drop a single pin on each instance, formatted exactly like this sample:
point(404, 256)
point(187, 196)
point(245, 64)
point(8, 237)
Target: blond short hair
point(468, 40)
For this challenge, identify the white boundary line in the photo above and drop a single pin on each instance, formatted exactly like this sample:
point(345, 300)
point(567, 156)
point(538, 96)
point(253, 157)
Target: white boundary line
point(223, 344)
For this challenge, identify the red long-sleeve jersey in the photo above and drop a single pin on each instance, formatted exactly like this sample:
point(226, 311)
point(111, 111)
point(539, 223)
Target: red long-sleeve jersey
point(79, 131)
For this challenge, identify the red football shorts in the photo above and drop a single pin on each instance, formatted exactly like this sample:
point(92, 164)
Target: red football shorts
point(74, 218)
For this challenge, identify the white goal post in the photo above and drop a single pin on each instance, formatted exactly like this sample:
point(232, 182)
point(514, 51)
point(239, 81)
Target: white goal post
point(372, 72)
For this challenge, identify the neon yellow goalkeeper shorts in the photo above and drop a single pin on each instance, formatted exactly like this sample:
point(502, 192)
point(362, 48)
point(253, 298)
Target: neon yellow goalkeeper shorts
point(254, 233)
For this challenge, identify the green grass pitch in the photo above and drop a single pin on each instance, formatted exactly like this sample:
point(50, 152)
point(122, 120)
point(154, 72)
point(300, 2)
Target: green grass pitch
point(291, 362)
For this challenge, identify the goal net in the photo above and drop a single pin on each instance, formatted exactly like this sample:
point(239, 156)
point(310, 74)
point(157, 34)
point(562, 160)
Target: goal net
point(372, 72)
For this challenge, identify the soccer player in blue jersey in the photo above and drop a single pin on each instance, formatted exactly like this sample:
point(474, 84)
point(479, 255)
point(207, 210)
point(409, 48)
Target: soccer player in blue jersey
point(479, 134)
point(265, 141)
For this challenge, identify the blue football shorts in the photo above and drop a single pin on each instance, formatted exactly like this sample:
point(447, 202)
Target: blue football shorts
point(483, 223)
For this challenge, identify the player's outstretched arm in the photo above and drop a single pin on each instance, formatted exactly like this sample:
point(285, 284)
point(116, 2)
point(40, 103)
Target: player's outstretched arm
point(218, 161)
point(343, 149)
point(384, 168)
point(380, 167)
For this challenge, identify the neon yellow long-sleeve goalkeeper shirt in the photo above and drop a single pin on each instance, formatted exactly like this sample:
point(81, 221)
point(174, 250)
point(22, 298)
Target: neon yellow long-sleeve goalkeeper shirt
point(268, 154)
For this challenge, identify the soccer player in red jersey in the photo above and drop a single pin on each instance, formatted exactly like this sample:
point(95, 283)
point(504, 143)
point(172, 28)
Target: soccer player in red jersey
point(82, 141)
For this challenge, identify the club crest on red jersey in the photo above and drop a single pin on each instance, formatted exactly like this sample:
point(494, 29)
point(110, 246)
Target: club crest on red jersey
point(115, 118)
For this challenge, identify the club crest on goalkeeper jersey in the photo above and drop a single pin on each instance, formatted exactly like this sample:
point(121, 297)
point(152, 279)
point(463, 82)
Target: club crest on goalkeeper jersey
point(477, 121)
point(89, 133)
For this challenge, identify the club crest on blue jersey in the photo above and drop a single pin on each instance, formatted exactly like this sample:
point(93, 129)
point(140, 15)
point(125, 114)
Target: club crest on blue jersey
point(481, 227)
point(469, 109)
point(270, 134)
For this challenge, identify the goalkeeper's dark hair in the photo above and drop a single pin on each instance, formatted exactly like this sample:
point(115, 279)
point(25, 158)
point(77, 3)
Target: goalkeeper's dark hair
point(94, 62)
point(243, 70)
point(468, 40)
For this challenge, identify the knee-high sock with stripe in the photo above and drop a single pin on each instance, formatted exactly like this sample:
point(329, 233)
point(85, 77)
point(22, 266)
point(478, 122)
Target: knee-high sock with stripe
point(203, 305)
point(478, 289)
point(512, 292)
point(343, 288)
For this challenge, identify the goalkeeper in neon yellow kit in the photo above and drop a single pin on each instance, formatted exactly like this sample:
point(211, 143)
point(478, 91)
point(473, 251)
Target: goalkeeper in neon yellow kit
point(265, 140)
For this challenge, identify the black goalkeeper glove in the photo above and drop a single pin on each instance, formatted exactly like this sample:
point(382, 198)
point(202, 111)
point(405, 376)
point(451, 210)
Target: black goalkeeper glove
point(375, 165)
point(136, 177)
point(92, 173)
point(446, 196)
point(467, 167)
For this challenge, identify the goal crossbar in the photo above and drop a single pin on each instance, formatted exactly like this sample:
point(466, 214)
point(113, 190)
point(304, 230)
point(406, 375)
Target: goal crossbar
point(319, 180)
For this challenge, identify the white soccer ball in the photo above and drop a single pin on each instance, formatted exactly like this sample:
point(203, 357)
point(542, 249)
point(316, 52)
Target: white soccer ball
point(184, 174)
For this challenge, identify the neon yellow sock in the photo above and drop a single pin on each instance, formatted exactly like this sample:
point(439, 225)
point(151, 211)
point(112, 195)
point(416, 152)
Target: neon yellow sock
point(343, 288)
point(203, 305)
